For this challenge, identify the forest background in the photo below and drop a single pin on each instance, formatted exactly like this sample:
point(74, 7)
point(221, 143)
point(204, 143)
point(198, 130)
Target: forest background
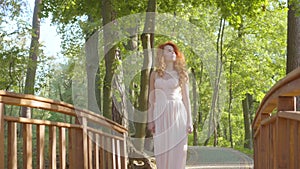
point(245, 42)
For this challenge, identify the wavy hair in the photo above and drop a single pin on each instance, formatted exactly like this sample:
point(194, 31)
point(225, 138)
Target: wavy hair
point(179, 64)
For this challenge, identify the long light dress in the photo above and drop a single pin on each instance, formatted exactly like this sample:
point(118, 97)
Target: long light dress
point(170, 118)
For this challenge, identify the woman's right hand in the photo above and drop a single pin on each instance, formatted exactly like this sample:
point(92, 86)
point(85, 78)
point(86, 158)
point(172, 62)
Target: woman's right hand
point(151, 127)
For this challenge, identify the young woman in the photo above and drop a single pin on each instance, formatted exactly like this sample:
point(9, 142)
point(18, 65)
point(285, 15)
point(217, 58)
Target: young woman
point(169, 116)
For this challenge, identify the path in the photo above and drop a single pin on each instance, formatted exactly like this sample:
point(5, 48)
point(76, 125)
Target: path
point(212, 157)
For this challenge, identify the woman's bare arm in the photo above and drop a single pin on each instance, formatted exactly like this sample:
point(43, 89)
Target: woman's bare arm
point(151, 102)
point(187, 104)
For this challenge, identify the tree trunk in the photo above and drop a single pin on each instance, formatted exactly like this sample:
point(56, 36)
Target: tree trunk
point(213, 117)
point(230, 105)
point(120, 114)
point(247, 123)
point(195, 107)
point(33, 56)
point(293, 39)
point(200, 115)
point(147, 43)
point(109, 57)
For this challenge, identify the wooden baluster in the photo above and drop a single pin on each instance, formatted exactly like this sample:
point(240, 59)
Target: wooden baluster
point(264, 142)
point(123, 152)
point(12, 145)
point(40, 146)
point(52, 147)
point(102, 152)
point(75, 148)
point(27, 146)
point(273, 144)
point(282, 143)
point(292, 143)
point(96, 152)
point(109, 154)
point(105, 152)
point(118, 155)
point(2, 135)
point(297, 147)
point(85, 142)
point(90, 149)
point(113, 153)
point(62, 147)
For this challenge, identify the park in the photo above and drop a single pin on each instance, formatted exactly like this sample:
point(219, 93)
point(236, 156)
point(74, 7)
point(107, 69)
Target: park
point(89, 104)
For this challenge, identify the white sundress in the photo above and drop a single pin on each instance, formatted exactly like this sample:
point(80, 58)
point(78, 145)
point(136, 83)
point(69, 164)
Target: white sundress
point(170, 118)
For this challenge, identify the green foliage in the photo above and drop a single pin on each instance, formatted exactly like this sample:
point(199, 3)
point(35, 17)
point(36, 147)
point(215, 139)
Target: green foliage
point(254, 45)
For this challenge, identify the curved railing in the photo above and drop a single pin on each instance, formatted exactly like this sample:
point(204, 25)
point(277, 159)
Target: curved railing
point(87, 140)
point(276, 126)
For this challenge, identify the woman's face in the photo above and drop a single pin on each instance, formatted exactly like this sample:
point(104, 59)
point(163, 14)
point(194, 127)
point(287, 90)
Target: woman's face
point(169, 53)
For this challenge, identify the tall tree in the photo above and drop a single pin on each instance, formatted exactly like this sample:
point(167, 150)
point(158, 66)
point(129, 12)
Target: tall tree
point(109, 56)
point(293, 38)
point(33, 55)
point(148, 43)
point(247, 102)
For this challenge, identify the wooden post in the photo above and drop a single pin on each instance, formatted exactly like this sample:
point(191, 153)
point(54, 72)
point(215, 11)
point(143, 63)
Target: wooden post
point(264, 146)
point(85, 143)
point(124, 152)
point(62, 147)
point(40, 146)
point(2, 135)
point(27, 146)
point(283, 140)
point(102, 151)
point(12, 145)
point(52, 146)
point(96, 148)
point(75, 148)
point(286, 103)
point(90, 138)
point(78, 147)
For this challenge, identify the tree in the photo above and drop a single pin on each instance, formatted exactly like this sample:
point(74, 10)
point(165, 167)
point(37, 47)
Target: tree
point(148, 44)
point(33, 55)
point(293, 39)
point(13, 53)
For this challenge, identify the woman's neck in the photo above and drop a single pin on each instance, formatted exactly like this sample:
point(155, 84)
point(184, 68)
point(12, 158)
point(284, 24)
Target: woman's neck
point(169, 67)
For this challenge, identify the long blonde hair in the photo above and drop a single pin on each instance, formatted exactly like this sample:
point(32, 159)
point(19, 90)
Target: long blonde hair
point(179, 64)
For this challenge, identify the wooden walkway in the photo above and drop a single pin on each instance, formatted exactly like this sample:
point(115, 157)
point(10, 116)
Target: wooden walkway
point(217, 158)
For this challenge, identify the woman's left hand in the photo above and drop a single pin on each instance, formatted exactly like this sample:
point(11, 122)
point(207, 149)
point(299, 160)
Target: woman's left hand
point(189, 129)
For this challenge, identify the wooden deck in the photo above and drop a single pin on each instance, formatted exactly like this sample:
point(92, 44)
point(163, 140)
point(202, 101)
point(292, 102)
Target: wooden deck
point(87, 140)
point(276, 126)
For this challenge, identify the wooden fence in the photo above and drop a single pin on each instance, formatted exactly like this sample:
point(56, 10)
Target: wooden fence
point(88, 141)
point(276, 126)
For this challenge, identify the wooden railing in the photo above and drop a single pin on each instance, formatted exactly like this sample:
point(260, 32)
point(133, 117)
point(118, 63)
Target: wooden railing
point(87, 141)
point(276, 126)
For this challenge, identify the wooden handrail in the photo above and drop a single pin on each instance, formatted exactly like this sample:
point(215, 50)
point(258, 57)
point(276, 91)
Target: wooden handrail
point(32, 101)
point(275, 126)
point(101, 145)
point(288, 86)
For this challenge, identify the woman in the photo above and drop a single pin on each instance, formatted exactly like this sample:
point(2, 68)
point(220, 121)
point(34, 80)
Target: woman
point(169, 116)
